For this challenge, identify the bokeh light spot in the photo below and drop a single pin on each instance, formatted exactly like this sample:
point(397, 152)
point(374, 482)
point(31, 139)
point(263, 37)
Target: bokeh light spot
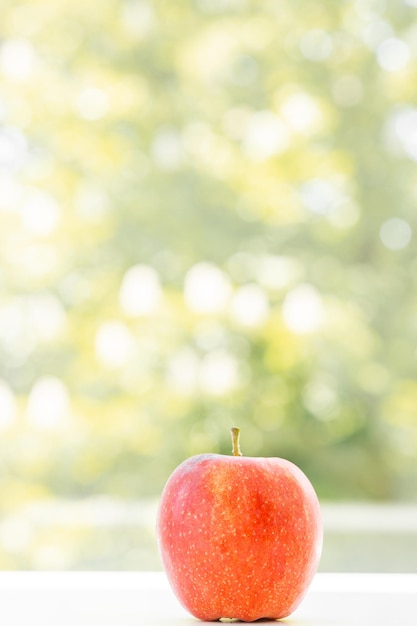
point(40, 213)
point(167, 149)
point(393, 54)
point(219, 373)
point(17, 59)
point(321, 399)
point(48, 403)
point(402, 129)
point(266, 136)
point(250, 306)
point(206, 288)
point(301, 112)
point(182, 372)
point(114, 344)
point(303, 310)
point(140, 291)
point(395, 233)
point(277, 272)
point(321, 196)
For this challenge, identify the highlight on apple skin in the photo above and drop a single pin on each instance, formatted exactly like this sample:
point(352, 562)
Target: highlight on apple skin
point(239, 537)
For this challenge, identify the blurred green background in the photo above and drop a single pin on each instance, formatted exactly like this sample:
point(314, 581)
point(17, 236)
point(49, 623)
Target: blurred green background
point(207, 216)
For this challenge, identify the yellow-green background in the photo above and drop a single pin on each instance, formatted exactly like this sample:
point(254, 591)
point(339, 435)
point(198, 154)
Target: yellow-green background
point(254, 164)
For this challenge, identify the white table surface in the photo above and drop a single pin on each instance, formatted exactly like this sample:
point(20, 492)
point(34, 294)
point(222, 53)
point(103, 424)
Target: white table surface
point(145, 599)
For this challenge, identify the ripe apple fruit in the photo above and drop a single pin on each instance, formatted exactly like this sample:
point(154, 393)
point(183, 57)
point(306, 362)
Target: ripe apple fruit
point(239, 537)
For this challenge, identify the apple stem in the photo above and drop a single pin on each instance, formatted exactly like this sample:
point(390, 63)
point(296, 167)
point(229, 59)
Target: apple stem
point(235, 432)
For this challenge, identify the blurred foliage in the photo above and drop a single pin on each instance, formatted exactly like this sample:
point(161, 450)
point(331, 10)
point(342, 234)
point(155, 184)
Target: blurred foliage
point(207, 219)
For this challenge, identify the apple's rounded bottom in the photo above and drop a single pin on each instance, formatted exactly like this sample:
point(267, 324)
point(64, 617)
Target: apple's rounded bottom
point(241, 618)
point(247, 614)
point(228, 620)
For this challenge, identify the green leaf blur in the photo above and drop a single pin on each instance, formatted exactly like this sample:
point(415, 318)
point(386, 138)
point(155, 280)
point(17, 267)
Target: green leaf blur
point(207, 219)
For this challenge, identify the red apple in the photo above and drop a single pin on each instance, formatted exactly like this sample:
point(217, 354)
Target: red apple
point(239, 537)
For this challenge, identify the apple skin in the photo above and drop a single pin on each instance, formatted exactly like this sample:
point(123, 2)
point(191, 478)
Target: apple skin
point(239, 537)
